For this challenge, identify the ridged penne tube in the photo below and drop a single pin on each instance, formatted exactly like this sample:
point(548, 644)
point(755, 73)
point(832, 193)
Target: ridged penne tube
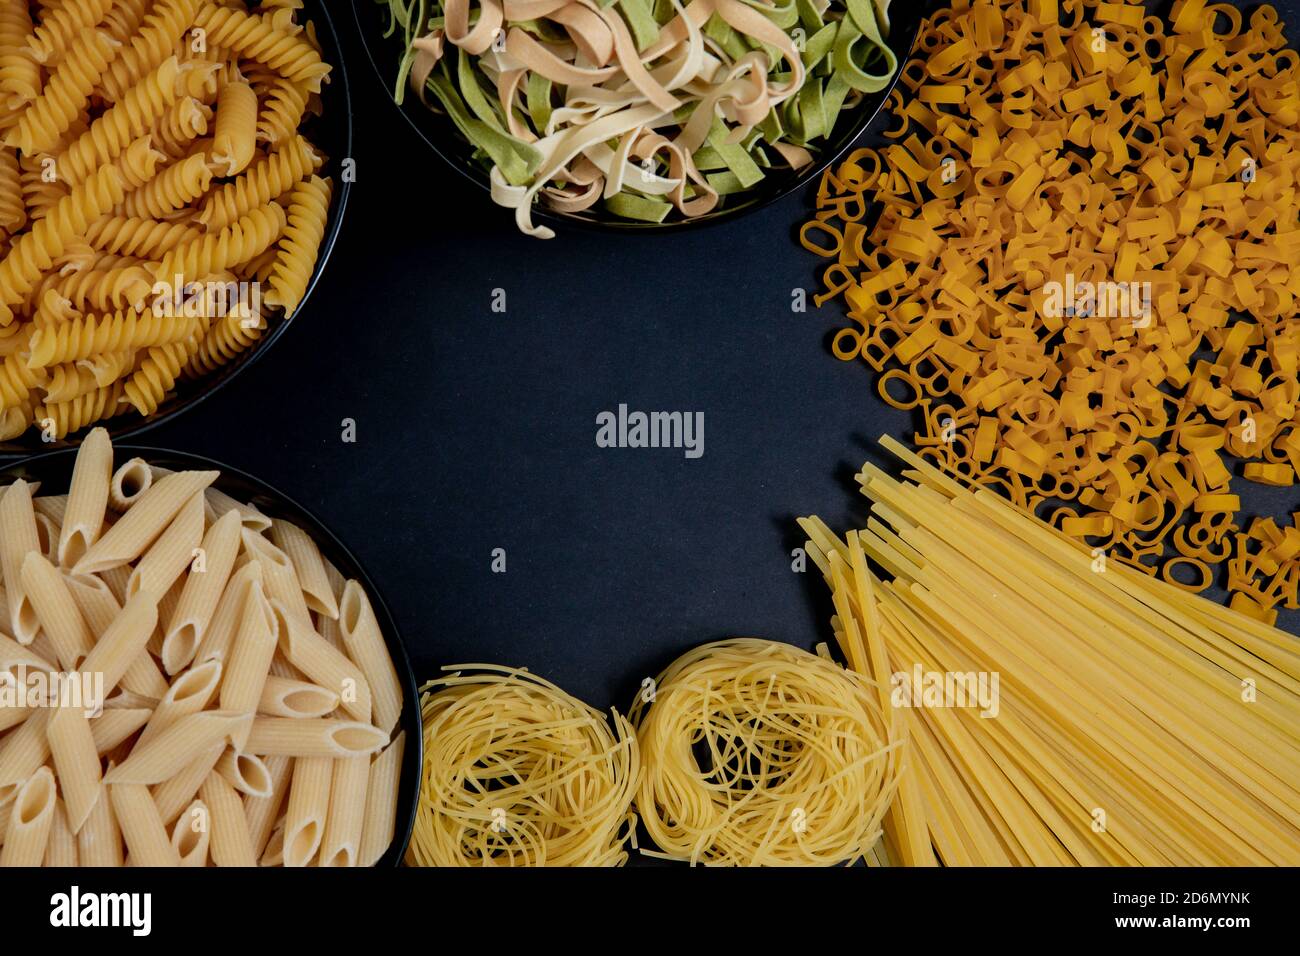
point(56, 610)
point(13, 654)
point(192, 834)
point(83, 517)
point(262, 812)
point(30, 818)
point(144, 521)
point(131, 480)
point(169, 556)
point(173, 795)
point(231, 843)
point(225, 619)
point(279, 576)
point(18, 537)
point(286, 697)
point(77, 761)
point(94, 599)
point(381, 802)
point(341, 844)
point(273, 855)
point(53, 507)
point(250, 654)
point(115, 724)
point(61, 848)
point(189, 693)
point(247, 773)
point(308, 566)
point(366, 646)
point(202, 592)
point(13, 716)
point(124, 640)
point(99, 841)
point(324, 664)
point(177, 745)
point(219, 503)
point(47, 534)
point(143, 677)
point(313, 737)
point(142, 827)
point(304, 818)
point(24, 749)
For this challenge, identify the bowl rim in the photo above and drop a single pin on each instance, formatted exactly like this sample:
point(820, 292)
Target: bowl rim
point(410, 779)
point(916, 13)
point(29, 443)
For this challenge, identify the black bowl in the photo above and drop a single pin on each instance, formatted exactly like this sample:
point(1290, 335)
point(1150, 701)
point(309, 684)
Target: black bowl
point(441, 135)
point(54, 471)
point(332, 133)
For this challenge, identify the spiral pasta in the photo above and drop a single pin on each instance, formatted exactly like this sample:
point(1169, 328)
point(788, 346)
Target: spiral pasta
point(33, 251)
point(65, 96)
point(268, 179)
point(762, 754)
point(60, 27)
point(142, 226)
point(59, 419)
point(174, 188)
point(20, 76)
point(132, 117)
point(89, 335)
point(295, 260)
point(145, 238)
point(252, 37)
point(235, 137)
point(163, 29)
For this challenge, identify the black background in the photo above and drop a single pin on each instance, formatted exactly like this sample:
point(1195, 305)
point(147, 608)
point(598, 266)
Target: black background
point(476, 430)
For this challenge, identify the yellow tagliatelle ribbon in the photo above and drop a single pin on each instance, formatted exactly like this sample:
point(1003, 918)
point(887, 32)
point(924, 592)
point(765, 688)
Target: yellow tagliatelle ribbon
point(1085, 240)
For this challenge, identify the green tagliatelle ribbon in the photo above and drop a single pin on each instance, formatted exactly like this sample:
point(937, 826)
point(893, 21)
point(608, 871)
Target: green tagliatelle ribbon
point(776, 75)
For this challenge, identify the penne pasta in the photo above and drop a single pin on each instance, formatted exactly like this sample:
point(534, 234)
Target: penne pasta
point(262, 812)
point(31, 817)
point(99, 841)
point(83, 516)
point(219, 504)
point(115, 725)
point(174, 794)
point(24, 749)
point(286, 697)
point(167, 558)
point(381, 802)
point(188, 694)
point(230, 608)
point(76, 759)
point(308, 566)
point(191, 834)
point(56, 610)
point(142, 827)
point(247, 773)
point(304, 818)
point(231, 843)
point(143, 522)
point(365, 645)
point(279, 576)
point(61, 848)
point(323, 663)
point(313, 738)
point(201, 593)
point(131, 480)
point(124, 640)
point(341, 844)
point(18, 538)
point(176, 746)
point(250, 654)
point(51, 507)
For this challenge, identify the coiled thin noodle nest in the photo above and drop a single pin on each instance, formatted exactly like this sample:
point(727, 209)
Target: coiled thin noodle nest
point(761, 754)
point(519, 773)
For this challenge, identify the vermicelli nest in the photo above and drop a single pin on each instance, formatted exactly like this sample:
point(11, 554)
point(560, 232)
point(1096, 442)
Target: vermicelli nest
point(761, 754)
point(519, 773)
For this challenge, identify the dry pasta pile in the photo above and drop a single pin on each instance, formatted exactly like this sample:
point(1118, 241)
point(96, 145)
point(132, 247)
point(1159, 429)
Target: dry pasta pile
point(519, 773)
point(248, 697)
point(1084, 272)
point(761, 754)
point(1135, 724)
point(156, 197)
point(650, 107)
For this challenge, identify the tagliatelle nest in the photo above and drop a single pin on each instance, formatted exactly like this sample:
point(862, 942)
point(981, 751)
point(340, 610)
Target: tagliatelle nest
point(648, 105)
point(1038, 146)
